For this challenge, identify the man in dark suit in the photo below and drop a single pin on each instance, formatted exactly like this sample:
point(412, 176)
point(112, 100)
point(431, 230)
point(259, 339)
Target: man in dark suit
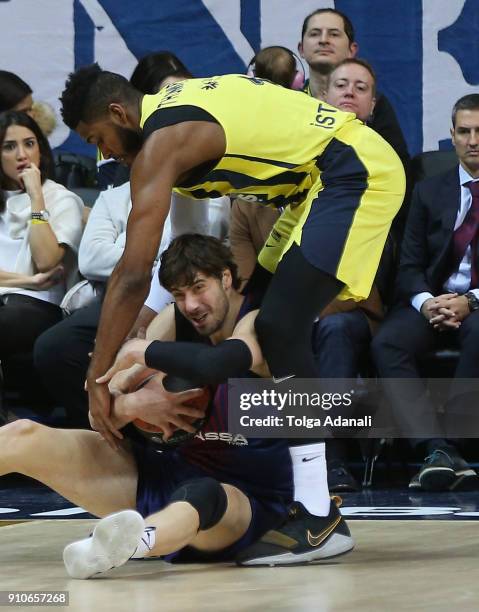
point(438, 304)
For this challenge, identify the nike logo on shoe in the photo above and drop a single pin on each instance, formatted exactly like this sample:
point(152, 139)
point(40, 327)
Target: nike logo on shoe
point(315, 540)
point(311, 458)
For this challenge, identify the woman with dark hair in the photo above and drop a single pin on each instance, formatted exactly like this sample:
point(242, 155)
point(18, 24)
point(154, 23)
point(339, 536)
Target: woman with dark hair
point(15, 94)
point(40, 230)
point(154, 69)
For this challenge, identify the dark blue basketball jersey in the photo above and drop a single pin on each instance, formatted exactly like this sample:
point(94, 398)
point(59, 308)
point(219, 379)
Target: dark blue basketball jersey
point(260, 467)
point(263, 465)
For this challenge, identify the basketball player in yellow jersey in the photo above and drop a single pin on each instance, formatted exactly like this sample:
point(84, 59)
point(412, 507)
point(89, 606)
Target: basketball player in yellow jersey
point(340, 184)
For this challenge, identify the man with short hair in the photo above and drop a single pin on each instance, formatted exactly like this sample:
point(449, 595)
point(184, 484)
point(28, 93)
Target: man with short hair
point(438, 303)
point(340, 184)
point(352, 87)
point(208, 498)
point(188, 136)
point(328, 38)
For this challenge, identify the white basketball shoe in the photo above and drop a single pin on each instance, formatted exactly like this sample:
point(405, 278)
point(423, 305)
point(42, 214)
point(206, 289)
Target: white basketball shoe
point(113, 542)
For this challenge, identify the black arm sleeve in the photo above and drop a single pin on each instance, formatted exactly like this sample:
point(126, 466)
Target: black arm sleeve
point(205, 365)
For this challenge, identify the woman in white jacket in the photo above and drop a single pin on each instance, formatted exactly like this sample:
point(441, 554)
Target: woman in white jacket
point(40, 230)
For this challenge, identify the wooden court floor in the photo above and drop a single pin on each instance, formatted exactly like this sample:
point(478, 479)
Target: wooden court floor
point(397, 565)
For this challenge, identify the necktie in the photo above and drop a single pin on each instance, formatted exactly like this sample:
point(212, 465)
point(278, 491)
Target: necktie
point(467, 234)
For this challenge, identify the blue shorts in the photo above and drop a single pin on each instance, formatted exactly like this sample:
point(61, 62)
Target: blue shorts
point(160, 474)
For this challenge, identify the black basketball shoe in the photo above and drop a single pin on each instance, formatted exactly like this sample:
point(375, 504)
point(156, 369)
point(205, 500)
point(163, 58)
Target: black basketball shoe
point(340, 478)
point(303, 538)
point(443, 470)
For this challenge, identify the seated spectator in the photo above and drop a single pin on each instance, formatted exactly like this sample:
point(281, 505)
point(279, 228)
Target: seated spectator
point(40, 230)
point(156, 70)
point(278, 65)
point(352, 88)
point(438, 304)
point(327, 38)
point(15, 94)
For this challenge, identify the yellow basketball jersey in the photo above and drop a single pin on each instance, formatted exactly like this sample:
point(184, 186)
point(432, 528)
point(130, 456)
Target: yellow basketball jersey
point(274, 136)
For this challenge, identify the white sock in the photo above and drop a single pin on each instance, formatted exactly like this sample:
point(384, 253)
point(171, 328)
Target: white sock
point(311, 477)
point(147, 542)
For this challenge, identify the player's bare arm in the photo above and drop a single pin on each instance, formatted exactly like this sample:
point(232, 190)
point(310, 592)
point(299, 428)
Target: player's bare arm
point(129, 366)
point(164, 161)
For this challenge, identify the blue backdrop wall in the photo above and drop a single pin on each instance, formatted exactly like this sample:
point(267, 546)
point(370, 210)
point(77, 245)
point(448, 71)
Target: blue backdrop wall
point(425, 52)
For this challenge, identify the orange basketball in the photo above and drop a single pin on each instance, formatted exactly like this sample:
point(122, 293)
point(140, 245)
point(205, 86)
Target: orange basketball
point(175, 384)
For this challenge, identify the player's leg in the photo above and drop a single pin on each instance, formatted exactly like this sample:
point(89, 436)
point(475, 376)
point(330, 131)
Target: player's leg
point(211, 517)
point(334, 246)
point(312, 290)
point(330, 244)
point(296, 294)
point(78, 464)
point(202, 513)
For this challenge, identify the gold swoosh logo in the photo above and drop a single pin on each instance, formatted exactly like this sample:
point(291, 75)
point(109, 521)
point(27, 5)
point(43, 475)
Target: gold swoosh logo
point(315, 540)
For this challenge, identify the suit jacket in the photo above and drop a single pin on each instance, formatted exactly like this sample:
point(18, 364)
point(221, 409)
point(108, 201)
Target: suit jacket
point(426, 254)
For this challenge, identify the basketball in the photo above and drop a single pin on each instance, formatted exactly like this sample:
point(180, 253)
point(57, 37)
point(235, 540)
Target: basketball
point(175, 384)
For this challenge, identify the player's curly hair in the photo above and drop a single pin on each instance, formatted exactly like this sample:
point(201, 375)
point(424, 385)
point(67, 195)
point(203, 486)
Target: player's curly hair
point(192, 253)
point(89, 91)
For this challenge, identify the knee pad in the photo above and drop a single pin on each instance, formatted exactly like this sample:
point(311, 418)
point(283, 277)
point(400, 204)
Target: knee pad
point(207, 497)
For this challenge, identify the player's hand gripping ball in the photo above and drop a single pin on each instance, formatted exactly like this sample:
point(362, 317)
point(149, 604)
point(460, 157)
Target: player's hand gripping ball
point(175, 384)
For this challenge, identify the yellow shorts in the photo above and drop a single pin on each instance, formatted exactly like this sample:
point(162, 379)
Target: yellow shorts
point(342, 225)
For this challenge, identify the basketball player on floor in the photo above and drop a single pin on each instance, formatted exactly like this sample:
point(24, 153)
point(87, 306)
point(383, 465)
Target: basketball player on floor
point(340, 183)
point(207, 499)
